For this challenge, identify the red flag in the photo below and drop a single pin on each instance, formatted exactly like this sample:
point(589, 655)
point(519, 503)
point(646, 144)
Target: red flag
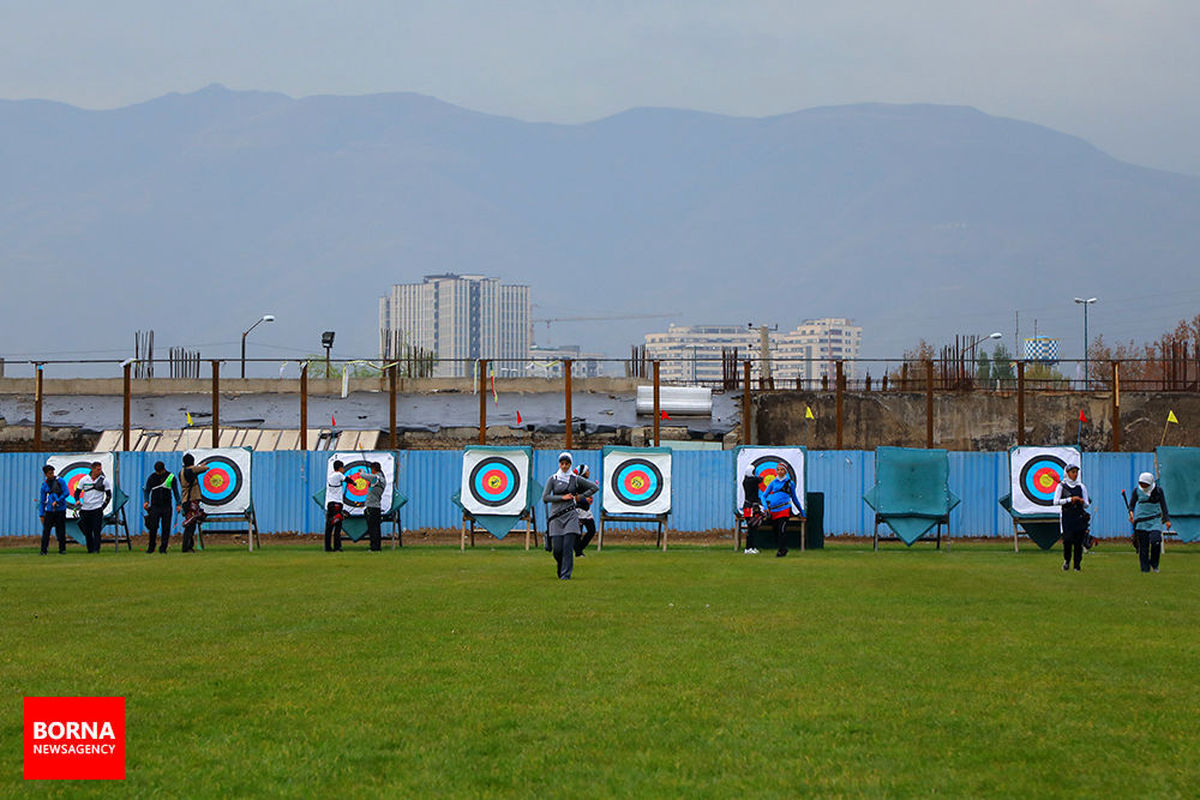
point(332, 421)
point(663, 414)
point(518, 417)
point(1082, 418)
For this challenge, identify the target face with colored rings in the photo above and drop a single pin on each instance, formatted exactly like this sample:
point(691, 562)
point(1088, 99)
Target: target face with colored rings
point(354, 492)
point(765, 469)
point(495, 481)
point(221, 482)
point(637, 482)
point(1040, 477)
point(71, 475)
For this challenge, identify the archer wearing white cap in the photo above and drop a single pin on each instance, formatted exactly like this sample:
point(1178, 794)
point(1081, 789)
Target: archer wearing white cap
point(1071, 496)
point(562, 526)
point(1149, 515)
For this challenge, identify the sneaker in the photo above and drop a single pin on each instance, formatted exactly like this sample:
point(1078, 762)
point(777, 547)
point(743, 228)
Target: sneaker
point(1066, 565)
point(751, 551)
point(1154, 569)
point(1077, 569)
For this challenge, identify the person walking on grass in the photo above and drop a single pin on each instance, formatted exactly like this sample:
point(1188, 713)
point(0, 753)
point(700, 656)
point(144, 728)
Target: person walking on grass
point(777, 500)
point(562, 525)
point(1071, 497)
point(1149, 516)
point(189, 506)
point(160, 488)
point(335, 485)
point(92, 493)
point(373, 508)
point(52, 502)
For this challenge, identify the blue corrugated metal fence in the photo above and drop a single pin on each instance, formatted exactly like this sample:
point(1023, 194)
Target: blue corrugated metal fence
point(703, 486)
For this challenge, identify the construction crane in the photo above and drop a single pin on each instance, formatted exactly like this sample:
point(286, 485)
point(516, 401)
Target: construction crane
point(601, 318)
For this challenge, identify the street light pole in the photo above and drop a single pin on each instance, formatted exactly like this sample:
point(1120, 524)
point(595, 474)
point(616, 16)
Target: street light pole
point(262, 319)
point(1086, 363)
point(974, 344)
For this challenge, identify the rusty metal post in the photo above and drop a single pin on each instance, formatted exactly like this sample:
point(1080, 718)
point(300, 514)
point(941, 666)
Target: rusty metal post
point(392, 407)
point(1020, 403)
point(746, 403)
point(216, 403)
point(838, 393)
point(37, 407)
point(657, 408)
point(126, 423)
point(928, 403)
point(567, 393)
point(483, 400)
point(304, 406)
point(1116, 408)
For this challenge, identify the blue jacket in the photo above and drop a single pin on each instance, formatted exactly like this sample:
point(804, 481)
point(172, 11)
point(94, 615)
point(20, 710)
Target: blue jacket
point(779, 495)
point(52, 497)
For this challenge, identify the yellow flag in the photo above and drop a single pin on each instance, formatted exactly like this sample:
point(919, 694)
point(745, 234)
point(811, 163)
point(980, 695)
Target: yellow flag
point(189, 418)
point(808, 413)
point(1171, 417)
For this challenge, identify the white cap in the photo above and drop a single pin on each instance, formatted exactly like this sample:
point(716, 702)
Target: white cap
point(565, 456)
point(1146, 478)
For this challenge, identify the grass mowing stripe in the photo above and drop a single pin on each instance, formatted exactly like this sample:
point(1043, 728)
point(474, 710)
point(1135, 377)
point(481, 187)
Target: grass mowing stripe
point(694, 672)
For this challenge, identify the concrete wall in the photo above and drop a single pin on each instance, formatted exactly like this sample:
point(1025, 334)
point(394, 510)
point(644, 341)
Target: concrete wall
point(975, 421)
point(159, 387)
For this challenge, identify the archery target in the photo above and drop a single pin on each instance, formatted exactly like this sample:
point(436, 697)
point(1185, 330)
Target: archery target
point(357, 469)
point(637, 481)
point(73, 467)
point(1035, 473)
point(764, 461)
point(495, 481)
point(225, 485)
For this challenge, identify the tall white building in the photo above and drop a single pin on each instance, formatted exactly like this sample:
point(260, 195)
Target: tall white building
point(459, 318)
point(692, 353)
point(810, 351)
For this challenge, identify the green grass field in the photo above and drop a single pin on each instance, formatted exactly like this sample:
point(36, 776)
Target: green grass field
point(694, 673)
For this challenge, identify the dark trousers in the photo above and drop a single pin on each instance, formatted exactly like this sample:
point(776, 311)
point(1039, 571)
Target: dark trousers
point(1073, 549)
point(58, 521)
point(1149, 547)
point(333, 527)
point(158, 519)
point(780, 526)
point(589, 526)
point(90, 524)
point(374, 526)
point(191, 511)
point(563, 547)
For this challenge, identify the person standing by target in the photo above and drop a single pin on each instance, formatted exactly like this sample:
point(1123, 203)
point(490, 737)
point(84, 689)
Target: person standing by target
point(92, 494)
point(156, 501)
point(1071, 497)
point(189, 507)
point(777, 501)
point(373, 506)
point(335, 485)
point(1149, 516)
point(52, 502)
point(583, 507)
point(751, 510)
point(562, 525)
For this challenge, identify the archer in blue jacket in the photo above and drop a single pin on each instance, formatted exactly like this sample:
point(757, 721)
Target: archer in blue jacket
point(777, 501)
point(52, 502)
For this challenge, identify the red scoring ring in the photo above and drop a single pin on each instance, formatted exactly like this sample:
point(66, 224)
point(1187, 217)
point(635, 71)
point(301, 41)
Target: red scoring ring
point(495, 481)
point(1046, 479)
point(633, 476)
point(216, 479)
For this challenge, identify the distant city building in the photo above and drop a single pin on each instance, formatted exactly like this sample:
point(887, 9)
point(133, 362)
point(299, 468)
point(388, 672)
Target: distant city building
point(1042, 348)
point(810, 352)
point(692, 353)
point(546, 361)
point(458, 318)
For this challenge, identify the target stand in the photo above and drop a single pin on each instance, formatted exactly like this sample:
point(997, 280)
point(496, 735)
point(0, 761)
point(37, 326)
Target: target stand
point(247, 516)
point(490, 523)
point(636, 488)
point(1034, 475)
point(116, 520)
point(73, 467)
point(659, 521)
point(225, 493)
point(924, 537)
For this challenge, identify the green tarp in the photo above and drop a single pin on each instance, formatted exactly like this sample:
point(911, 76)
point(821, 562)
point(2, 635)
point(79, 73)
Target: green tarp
point(1179, 476)
point(1043, 529)
point(911, 492)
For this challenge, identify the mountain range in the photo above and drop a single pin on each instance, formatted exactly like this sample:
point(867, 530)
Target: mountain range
point(193, 214)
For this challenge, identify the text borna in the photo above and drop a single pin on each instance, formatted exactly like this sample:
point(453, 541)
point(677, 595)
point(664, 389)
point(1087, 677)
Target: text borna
point(79, 731)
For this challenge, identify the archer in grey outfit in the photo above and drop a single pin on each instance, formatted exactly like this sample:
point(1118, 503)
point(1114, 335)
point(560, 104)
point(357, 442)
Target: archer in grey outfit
point(562, 527)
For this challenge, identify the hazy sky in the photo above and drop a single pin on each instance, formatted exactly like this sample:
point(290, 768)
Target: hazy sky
point(1122, 74)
